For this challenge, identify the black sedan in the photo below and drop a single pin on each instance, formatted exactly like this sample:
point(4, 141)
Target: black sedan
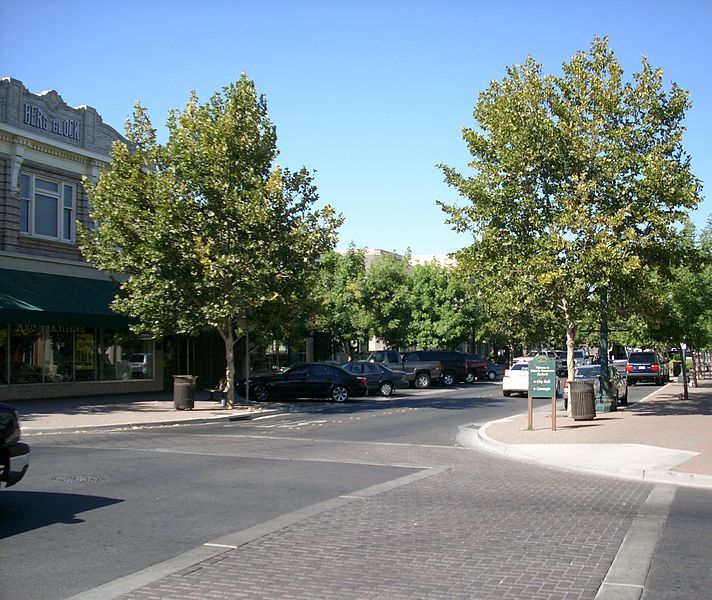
point(379, 378)
point(312, 380)
point(14, 455)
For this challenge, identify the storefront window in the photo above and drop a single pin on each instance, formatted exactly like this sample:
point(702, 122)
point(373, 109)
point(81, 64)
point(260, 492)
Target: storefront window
point(136, 357)
point(85, 357)
point(37, 354)
point(26, 354)
point(106, 355)
point(58, 355)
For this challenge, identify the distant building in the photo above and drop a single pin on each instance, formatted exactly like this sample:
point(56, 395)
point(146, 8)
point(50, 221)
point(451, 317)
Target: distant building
point(58, 335)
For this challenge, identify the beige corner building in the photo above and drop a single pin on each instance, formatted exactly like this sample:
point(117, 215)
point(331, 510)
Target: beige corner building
point(58, 334)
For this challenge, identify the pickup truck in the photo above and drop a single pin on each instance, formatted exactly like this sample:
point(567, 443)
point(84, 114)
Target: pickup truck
point(14, 455)
point(425, 367)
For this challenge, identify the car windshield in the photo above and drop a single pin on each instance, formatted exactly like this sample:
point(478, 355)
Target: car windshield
point(520, 367)
point(136, 358)
point(587, 372)
point(578, 353)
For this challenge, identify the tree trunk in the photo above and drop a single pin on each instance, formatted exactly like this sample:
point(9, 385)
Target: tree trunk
point(694, 369)
point(228, 336)
point(685, 394)
point(570, 345)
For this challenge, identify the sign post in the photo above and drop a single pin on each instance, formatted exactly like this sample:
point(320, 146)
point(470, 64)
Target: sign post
point(542, 384)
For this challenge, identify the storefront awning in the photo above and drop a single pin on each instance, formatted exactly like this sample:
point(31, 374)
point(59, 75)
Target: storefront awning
point(44, 299)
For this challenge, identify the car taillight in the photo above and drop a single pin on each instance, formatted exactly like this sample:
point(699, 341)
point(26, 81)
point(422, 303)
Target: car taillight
point(566, 384)
point(655, 367)
point(629, 368)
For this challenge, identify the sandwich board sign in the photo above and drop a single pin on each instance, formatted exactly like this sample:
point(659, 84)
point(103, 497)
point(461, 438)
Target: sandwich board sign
point(542, 384)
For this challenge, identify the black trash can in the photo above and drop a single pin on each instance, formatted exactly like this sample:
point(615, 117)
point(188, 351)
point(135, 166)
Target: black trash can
point(583, 400)
point(184, 392)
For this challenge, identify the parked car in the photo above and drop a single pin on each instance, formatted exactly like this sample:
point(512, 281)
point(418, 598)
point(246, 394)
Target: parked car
point(494, 370)
point(647, 366)
point(581, 357)
point(391, 358)
point(617, 385)
point(379, 378)
point(558, 356)
point(477, 368)
point(141, 365)
point(14, 455)
point(311, 380)
point(444, 366)
point(425, 367)
point(516, 379)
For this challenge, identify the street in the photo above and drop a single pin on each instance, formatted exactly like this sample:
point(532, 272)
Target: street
point(371, 499)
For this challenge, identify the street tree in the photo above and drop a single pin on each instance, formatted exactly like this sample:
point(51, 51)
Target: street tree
point(580, 183)
point(206, 229)
point(339, 298)
point(443, 313)
point(385, 299)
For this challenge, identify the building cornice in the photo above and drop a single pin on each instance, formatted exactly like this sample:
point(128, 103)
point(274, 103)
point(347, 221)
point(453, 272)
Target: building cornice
point(15, 135)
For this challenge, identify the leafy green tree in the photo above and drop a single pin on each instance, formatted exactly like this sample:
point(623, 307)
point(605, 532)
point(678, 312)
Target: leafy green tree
point(339, 298)
point(442, 312)
point(207, 228)
point(580, 182)
point(385, 299)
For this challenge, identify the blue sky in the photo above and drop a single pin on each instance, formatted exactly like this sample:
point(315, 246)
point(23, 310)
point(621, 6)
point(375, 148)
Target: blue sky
point(369, 94)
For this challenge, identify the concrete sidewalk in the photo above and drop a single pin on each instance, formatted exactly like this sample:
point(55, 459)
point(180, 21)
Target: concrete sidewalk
point(662, 438)
point(124, 411)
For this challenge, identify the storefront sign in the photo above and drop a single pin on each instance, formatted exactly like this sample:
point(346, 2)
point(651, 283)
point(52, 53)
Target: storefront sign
point(36, 117)
point(34, 329)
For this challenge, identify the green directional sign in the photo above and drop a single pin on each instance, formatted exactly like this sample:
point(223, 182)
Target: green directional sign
point(542, 377)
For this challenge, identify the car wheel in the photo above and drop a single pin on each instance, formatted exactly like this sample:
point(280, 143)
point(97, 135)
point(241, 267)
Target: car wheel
point(470, 378)
point(507, 393)
point(491, 375)
point(339, 394)
point(386, 388)
point(261, 393)
point(422, 381)
point(448, 379)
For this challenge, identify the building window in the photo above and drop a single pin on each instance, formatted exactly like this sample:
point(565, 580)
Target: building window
point(47, 208)
point(52, 354)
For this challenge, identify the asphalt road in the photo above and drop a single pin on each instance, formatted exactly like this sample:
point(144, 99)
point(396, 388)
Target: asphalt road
point(98, 506)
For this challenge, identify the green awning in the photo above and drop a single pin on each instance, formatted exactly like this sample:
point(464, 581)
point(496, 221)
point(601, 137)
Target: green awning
point(44, 299)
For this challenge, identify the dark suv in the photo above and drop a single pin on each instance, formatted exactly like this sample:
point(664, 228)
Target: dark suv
point(647, 366)
point(453, 365)
point(14, 455)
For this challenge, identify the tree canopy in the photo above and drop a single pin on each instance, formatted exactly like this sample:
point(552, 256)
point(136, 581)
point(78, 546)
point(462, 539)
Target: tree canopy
point(207, 229)
point(579, 188)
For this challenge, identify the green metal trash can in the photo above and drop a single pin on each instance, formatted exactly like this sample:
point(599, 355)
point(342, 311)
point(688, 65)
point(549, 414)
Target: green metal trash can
point(583, 400)
point(184, 392)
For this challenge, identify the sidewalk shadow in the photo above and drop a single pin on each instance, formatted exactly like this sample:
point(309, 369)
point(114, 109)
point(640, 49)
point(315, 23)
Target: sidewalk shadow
point(24, 511)
point(695, 405)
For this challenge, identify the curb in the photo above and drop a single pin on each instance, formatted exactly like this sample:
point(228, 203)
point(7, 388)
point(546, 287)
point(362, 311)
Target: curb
point(476, 437)
point(145, 424)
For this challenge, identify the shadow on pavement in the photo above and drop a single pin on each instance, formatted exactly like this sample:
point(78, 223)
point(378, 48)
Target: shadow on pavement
point(24, 511)
point(673, 406)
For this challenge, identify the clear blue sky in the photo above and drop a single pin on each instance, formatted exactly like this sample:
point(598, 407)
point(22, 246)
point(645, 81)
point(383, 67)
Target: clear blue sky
point(370, 94)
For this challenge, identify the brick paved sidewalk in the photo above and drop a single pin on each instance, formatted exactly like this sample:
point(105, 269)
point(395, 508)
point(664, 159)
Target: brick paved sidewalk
point(663, 420)
point(129, 410)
